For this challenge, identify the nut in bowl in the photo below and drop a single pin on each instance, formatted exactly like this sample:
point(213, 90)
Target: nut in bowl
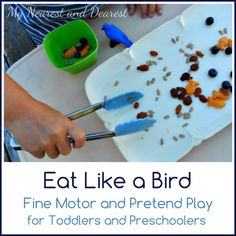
point(66, 45)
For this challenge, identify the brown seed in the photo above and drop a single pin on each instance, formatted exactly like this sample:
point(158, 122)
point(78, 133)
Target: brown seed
point(178, 109)
point(199, 54)
point(185, 125)
point(127, 67)
point(143, 67)
point(185, 76)
point(161, 141)
point(181, 135)
point(174, 92)
point(136, 105)
point(193, 58)
point(166, 117)
point(153, 53)
point(187, 100)
point(194, 67)
point(197, 92)
point(175, 138)
point(203, 99)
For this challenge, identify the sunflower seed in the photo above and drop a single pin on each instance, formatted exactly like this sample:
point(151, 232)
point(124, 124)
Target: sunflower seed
point(153, 80)
point(168, 74)
point(181, 135)
point(186, 115)
point(175, 138)
point(221, 32)
point(105, 98)
point(225, 30)
point(160, 58)
point(158, 92)
point(185, 125)
point(164, 69)
point(116, 83)
point(161, 141)
point(146, 130)
point(164, 78)
point(173, 40)
point(141, 137)
point(180, 115)
point(187, 54)
point(127, 67)
point(177, 39)
point(148, 82)
point(166, 117)
point(191, 109)
point(181, 50)
point(156, 99)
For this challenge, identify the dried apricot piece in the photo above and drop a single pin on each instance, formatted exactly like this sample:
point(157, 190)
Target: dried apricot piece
point(191, 86)
point(220, 94)
point(216, 102)
point(85, 50)
point(222, 43)
point(229, 43)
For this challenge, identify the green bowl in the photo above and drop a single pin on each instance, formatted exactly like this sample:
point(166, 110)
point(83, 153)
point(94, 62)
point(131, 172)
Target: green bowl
point(64, 37)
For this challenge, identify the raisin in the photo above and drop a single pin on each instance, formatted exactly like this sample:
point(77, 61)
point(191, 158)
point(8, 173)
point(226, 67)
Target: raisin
point(199, 54)
point(187, 100)
point(193, 58)
point(181, 95)
point(178, 109)
point(143, 67)
point(197, 92)
point(185, 76)
point(142, 115)
point(136, 105)
point(181, 89)
point(174, 92)
point(153, 53)
point(194, 67)
point(203, 99)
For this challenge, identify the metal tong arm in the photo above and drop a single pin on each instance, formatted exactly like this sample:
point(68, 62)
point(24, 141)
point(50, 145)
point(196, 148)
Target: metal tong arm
point(89, 137)
point(84, 111)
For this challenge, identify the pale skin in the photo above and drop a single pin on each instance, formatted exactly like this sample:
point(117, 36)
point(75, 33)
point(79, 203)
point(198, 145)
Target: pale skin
point(146, 10)
point(39, 128)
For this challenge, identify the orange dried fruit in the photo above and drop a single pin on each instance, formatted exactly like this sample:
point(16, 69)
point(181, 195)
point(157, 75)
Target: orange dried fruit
point(216, 102)
point(222, 43)
point(191, 86)
point(84, 51)
point(220, 94)
point(230, 43)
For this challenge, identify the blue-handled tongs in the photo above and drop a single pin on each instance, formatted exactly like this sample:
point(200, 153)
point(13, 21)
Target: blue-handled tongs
point(109, 104)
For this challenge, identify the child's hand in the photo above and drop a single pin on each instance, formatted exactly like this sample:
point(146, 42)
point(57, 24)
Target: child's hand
point(146, 10)
point(37, 127)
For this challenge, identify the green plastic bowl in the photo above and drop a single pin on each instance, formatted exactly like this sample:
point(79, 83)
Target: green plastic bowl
point(64, 37)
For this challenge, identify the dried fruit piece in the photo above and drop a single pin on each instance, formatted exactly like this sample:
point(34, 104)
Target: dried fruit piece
point(191, 86)
point(142, 115)
point(222, 43)
point(193, 58)
point(174, 92)
point(216, 102)
point(85, 51)
point(187, 100)
point(181, 95)
point(185, 76)
point(197, 92)
point(199, 54)
point(230, 43)
point(220, 94)
point(203, 98)
point(178, 109)
point(136, 105)
point(153, 53)
point(194, 67)
point(225, 91)
point(143, 67)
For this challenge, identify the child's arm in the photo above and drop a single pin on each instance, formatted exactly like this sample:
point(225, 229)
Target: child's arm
point(37, 127)
point(145, 9)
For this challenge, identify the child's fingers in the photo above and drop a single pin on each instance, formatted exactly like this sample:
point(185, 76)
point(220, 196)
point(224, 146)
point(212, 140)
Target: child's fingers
point(159, 9)
point(144, 9)
point(151, 9)
point(131, 9)
point(52, 151)
point(78, 135)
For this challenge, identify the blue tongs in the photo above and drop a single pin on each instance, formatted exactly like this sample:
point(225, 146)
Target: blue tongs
point(109, 104)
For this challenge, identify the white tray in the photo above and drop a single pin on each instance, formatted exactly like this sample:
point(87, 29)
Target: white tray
point(205, 121)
